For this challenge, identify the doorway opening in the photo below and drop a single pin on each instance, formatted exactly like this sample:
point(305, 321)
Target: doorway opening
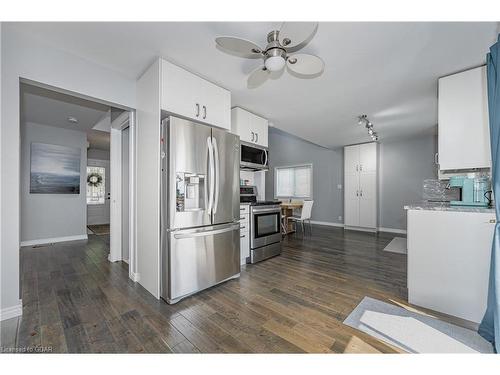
point(77, 171)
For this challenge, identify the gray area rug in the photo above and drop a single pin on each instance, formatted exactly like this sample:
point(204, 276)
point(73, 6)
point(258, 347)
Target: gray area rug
point(397, 245)
point(414, 332)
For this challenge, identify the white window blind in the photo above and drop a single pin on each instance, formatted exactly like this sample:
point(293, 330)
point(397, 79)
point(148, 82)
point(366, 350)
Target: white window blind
point(293, 182)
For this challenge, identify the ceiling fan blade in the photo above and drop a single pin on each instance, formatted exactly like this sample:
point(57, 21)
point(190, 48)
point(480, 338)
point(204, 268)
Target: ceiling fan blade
point(239, 47)
point(304, 64)
point(257, 77)
point(295, 35)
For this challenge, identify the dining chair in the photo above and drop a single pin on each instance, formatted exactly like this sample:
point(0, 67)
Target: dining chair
point(305, 215)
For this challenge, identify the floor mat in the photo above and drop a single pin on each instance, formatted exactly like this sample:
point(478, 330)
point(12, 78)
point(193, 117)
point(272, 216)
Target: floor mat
point(99, 229)
point(397, 245)
point(414, 332)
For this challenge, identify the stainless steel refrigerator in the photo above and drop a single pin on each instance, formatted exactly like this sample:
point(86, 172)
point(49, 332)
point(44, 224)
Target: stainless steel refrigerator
point(200, 233)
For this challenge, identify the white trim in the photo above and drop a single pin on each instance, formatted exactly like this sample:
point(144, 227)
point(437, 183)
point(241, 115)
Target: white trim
point(135, 276)
point(131, 193)
point(54, 240)
point(12, 312)
point(361, 229)
point(392, 230)
point(327, 223)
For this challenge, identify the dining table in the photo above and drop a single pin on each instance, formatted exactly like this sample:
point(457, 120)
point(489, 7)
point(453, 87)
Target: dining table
point(287, 209)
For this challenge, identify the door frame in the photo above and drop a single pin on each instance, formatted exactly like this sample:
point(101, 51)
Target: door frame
point(123, 121)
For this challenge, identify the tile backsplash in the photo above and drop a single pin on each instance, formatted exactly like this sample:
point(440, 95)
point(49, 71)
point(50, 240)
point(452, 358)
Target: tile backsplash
point(435, 190)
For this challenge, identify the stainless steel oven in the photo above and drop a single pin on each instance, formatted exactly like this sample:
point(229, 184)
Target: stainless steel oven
point(253, 157)
point(265, 231)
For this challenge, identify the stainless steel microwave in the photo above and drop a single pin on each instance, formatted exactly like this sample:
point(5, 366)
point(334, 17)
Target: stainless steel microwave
point(253, 157)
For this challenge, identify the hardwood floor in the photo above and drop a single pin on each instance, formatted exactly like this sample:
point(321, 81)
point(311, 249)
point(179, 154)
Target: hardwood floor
point(74, 300)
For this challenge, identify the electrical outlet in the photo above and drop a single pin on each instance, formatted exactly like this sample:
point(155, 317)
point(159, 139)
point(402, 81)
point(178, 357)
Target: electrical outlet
point(339, 186)
point(340, 218)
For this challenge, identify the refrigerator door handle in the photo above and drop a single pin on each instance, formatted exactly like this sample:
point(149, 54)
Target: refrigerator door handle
point(217, 172)
point(205, 232)
point(211, 173)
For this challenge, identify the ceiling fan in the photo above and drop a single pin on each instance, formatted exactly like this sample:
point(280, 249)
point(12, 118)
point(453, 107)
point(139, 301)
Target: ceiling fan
point(291, 37)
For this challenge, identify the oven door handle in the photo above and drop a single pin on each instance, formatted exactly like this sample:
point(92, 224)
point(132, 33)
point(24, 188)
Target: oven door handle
point(265, 210)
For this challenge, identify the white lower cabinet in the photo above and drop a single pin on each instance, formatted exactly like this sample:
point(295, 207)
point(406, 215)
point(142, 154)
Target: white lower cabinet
point(449, 261)
point(360, 186)
point(244, 233)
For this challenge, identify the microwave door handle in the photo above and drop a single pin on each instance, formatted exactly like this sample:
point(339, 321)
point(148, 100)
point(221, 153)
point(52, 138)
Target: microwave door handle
point(265, 154)
point(217, 173)
point(210, 175)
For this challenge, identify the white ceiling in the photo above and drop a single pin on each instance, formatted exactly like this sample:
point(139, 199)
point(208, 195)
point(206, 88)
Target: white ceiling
point(47, 107)
point(388, 71)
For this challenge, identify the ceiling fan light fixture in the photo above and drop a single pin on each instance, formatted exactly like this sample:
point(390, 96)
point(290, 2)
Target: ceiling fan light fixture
point(274, 63)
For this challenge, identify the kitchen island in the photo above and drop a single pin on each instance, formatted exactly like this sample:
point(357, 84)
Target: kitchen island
point(449, 250)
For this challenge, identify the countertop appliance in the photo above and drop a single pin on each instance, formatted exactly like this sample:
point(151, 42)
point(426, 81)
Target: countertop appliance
point(254, 157)
point(200, 233)
point(474, 191)
point(265, 225)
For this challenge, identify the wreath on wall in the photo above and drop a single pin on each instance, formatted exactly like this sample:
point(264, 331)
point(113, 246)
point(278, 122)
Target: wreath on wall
point(94, 179)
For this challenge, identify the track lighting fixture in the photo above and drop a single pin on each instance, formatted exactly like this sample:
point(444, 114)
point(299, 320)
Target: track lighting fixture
point(363, 121)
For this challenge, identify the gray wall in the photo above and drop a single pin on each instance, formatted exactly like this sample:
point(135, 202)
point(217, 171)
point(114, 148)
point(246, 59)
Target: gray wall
point(286, 149)
point(52, 215)
point(404, 164)
point(93, 153)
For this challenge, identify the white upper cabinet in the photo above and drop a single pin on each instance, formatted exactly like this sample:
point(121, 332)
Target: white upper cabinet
point(463, 125)
point(250, 127)
point(187, 95)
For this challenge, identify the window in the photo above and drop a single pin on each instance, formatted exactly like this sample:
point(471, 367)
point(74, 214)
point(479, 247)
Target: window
point(293, 182)
point(96, 185)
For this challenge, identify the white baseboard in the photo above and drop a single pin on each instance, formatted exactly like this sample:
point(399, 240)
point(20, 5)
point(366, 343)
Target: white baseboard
point(327, 223)
point(54, 240)
point(361, 229)
point(134, 276)
point(11, 312)
point(392, 230)
point(113, 260)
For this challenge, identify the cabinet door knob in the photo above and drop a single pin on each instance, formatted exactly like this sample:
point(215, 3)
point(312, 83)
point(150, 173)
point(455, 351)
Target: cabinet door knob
point(357, 168)
point(361, 167)
point(256, 137)
point(253, 136)
point(197, 110)
point(204, 112)
point(361, 193)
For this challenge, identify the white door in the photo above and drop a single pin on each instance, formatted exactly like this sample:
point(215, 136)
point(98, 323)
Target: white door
point(351, 157)
point(351, 201)
point(98, 208)
point(368, 200)
point(368, 157)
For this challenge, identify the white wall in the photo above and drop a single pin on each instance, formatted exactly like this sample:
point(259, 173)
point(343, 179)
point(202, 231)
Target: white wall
point(26, 57)
point(46, 216)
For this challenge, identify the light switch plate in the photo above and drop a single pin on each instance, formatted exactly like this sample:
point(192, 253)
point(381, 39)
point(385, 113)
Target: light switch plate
point(339, 186)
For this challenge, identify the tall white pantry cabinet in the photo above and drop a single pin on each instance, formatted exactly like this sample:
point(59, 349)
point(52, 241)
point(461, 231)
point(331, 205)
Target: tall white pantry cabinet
point(360, 186)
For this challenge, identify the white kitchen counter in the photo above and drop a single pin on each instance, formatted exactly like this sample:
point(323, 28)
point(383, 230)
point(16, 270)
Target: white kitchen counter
point(443, 206)
point(449, 259)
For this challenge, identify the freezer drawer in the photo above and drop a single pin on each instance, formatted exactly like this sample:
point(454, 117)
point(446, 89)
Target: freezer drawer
point(198, 259)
